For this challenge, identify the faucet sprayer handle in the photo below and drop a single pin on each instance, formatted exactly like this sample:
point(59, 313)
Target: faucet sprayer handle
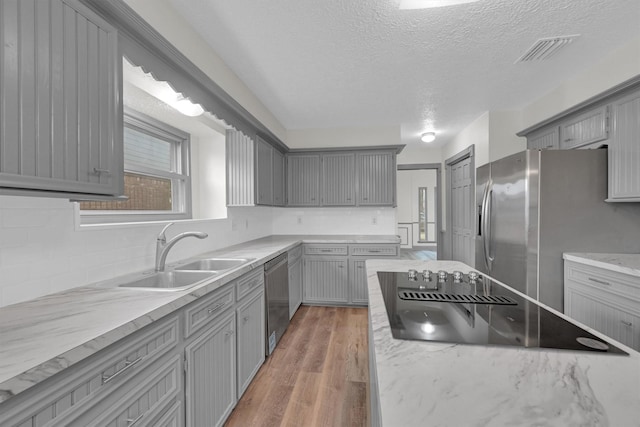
point(162, 237)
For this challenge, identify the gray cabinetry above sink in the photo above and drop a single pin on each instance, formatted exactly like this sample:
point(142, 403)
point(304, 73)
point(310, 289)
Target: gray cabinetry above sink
point(60, 73)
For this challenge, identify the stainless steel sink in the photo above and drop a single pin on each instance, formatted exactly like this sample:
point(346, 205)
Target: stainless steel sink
point(170, 280)
point(214, 264)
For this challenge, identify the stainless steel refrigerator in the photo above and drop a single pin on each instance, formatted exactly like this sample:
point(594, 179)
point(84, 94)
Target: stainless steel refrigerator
point(534, 205)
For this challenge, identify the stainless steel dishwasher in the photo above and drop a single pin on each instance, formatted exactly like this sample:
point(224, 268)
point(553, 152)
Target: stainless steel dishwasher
point(276, 283)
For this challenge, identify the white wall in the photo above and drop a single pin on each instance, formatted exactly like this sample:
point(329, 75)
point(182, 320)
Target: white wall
point(208, 167)
point(503, 141)
point(42, 251)
point(620, 65)
point(355, 221)
point(161, 16)
point(344, 137)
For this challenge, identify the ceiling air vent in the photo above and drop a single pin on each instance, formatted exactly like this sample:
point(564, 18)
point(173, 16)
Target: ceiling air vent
point(545, 48)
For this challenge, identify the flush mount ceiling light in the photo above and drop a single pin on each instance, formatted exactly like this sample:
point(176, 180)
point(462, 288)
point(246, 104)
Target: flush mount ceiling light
point(428, 137)
point(425, 4)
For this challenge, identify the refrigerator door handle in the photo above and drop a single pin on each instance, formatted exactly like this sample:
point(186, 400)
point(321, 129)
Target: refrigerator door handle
point(486, 225)
point(483, 223)
point(489, 213)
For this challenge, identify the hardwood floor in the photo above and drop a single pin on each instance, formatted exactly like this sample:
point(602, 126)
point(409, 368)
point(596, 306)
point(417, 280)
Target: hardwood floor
point(317, 376)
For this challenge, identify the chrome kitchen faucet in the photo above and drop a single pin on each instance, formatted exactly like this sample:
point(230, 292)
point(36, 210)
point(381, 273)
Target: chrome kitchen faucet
point(162, 246)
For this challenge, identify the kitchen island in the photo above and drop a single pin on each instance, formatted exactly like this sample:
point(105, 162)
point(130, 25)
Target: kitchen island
point(418, 383)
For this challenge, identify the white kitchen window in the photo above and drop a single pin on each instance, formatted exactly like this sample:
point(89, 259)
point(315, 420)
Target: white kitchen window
point(157, 180)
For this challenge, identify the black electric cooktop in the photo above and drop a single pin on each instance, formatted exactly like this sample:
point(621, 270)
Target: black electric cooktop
point(473, 309)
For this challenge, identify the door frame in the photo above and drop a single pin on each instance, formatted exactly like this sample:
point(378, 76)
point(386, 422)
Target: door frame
point(467, 153)
point(438, 168)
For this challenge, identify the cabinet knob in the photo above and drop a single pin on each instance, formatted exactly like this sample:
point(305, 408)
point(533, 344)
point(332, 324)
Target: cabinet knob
point(625, 323)
point(228, 333)
point(245, 319)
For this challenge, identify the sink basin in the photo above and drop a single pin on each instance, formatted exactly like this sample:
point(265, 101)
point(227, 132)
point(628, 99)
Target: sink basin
point(169, 280)
point(214, 264)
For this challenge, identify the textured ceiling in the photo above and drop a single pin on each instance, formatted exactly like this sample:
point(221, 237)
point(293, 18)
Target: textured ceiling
point(351, 63)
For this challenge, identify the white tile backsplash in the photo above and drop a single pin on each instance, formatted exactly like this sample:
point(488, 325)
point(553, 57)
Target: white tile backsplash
point(42, 251)
point(334, 221)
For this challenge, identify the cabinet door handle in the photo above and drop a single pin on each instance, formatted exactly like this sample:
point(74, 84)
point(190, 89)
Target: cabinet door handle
point(602, 282)
point(375, 251)
point(228, 333)
point(245, 319)
point(127, 365)
point(98, 171)
point(214, 308)
point(568, 139)
point(625, 323)
point(341, 266)
point(132, 422)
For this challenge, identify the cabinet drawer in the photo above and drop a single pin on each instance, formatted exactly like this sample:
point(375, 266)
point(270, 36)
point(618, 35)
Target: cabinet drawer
point(250, 282)
point(92, 380)
point(294, 254)
point(208, 308)
point(325, 249)
point(609, 281)
point(372, 250)
point(156, 391)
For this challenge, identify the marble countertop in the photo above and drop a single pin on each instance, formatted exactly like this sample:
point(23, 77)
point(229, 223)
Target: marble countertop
point(622, 263)
point(41, 337)
point(439, 384)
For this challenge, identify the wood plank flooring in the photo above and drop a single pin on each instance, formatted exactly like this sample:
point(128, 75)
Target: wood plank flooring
point(317, 376)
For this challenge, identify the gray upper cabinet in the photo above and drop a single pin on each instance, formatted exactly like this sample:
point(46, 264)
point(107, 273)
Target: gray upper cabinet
point(264, 172)
point(545, 139)
point(303, 180)
point(255, 172)
point(338, 179)
point(624, 149)
point(61, 100)
point(584, 129)
point(240, 155)
point(278, 178)
point(356, 177)
point(376, 178)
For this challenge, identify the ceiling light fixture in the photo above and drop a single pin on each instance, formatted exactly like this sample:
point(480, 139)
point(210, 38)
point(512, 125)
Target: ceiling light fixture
point(426, 4)
point(428, 137)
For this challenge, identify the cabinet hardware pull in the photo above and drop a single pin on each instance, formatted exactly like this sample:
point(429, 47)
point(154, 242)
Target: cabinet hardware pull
point(245, 319)
point(360, 266)
point(625, 323)
point(375, 251)
point(131, 422)
point(325, 250)
point(127, 365)
point(228, 333)
point(214, 308)
point(98, 171)
point(568, 139)
point(602, 282)
point(341, 266)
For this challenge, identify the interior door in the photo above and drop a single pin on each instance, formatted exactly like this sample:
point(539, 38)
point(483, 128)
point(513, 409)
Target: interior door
point(462, 212)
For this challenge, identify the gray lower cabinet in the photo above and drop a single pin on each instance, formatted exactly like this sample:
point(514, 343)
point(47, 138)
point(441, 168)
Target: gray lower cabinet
point(137, 378)
point(358, 275)
point(250, 317)
point(326, 280)
point(376, 179)
point(303, 180)
point(544, 139)
point(336, 273)
point(624, 149)
point(295, 279)
point(608, 301)
point(339, 179)
point(61, 94)
point(210, 379)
